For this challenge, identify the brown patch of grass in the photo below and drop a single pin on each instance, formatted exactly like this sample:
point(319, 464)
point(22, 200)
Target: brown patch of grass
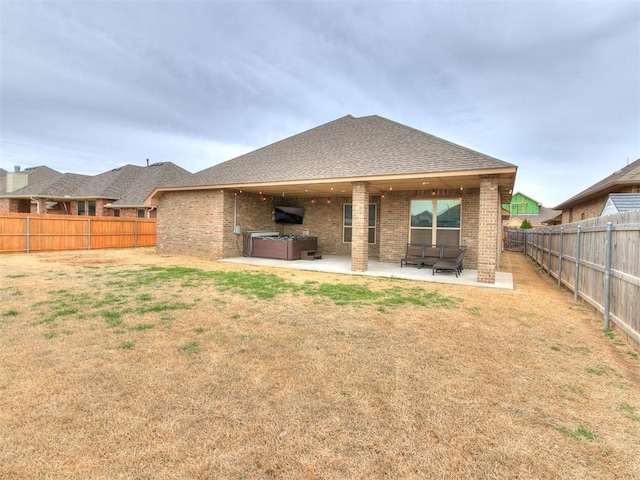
point(228, 385)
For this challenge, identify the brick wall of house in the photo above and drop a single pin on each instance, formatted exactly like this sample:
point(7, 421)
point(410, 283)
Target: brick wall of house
point(322, 218)
point(191, 223)
point(470, 223)
point(11, 205)
point(394, 227)
point(395, 223)
point(200, 223)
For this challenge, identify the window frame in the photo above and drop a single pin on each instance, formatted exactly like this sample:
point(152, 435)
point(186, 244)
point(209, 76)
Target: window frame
point(434, 220)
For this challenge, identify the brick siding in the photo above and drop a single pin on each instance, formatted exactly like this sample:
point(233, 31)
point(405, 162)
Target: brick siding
point(200, 223)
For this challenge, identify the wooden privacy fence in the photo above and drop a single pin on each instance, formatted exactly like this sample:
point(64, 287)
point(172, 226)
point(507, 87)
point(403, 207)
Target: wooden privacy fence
point(21, 232)
point(598, 259)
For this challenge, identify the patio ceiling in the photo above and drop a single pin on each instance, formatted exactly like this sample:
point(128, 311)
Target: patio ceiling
point(379, 185)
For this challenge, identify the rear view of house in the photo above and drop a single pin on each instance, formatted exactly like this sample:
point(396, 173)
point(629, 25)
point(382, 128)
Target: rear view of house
point(364, 187)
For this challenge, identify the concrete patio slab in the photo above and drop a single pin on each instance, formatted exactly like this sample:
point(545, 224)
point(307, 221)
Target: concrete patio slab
point(338, 264)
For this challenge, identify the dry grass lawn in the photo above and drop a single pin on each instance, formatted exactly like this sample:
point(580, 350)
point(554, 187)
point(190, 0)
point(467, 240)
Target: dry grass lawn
point(127, 364)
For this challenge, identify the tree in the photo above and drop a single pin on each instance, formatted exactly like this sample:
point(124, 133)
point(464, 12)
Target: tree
point(526, 224)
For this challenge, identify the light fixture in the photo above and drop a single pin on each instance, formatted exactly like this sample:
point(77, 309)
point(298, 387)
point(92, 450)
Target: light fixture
point(425, 183)
point(328, 201)
point(382, 196)
point(390, 188)
point(313, 201)
point(433, 191)
point(461, 187)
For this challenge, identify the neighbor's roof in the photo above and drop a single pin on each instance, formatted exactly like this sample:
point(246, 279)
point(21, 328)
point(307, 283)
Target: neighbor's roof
point(348, 147)
point(629, 175)
point(625, 202)
point(35, 176)
point(126, 186)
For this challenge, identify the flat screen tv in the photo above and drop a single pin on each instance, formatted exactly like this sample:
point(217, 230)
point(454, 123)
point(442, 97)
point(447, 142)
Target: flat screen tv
point(288, 215)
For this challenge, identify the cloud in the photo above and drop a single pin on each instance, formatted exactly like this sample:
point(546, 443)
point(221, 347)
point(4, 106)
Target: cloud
point(549, 86)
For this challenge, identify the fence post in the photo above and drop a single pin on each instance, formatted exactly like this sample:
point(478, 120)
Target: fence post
point(560, 256)
point(549, 256)
point(28, 234)
point(607, 275)
point(89, 233)
point(577, 265)
point(135, 232)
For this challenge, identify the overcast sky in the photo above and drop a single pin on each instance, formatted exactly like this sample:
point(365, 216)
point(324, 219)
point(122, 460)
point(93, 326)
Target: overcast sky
point(550, 86)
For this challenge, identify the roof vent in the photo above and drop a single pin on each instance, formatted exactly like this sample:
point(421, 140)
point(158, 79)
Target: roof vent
point(16, 168)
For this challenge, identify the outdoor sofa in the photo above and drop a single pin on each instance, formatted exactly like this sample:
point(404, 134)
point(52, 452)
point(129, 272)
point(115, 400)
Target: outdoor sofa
point(425, 254)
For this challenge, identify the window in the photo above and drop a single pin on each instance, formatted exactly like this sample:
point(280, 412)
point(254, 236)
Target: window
point(87, 208)
point(435, 221)
point(347, 223)
point(116, 212)
point(141, 213)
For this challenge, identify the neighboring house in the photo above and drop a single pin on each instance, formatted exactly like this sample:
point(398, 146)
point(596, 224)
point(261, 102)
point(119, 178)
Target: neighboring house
point(621, 202)
point(120, 192)
point(367, 185)
point(12, 181)
point(522, 206)
point(590, 202)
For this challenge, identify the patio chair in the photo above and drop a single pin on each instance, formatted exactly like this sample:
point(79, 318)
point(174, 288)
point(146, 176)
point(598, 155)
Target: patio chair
point(450, 264)
point(414, 255)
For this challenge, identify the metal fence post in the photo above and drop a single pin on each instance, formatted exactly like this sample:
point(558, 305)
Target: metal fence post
point(560, 256)
point(576, 279)
point(607, 275)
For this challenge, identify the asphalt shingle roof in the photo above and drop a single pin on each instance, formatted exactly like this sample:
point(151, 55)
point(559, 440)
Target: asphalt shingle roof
point(348, 147)
point(126, 186)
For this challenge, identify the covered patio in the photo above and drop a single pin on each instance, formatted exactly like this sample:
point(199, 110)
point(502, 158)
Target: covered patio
point(342, 265)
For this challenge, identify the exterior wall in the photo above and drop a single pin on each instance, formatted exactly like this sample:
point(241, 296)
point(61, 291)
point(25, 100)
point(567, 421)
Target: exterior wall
point(191, 223)
point(11, 205)
point(394, 227)
point(200, 223)
point(522, 205)
point(591, 208)
point(322, 219)
point(395, 224)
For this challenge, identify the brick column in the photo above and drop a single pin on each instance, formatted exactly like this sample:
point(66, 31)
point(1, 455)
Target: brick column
point(360, 227)
point(488, 235)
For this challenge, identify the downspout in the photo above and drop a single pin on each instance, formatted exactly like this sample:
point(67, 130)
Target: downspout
point(37, 204)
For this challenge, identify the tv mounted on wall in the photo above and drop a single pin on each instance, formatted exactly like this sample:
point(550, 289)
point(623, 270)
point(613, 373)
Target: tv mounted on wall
point(288, 215)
